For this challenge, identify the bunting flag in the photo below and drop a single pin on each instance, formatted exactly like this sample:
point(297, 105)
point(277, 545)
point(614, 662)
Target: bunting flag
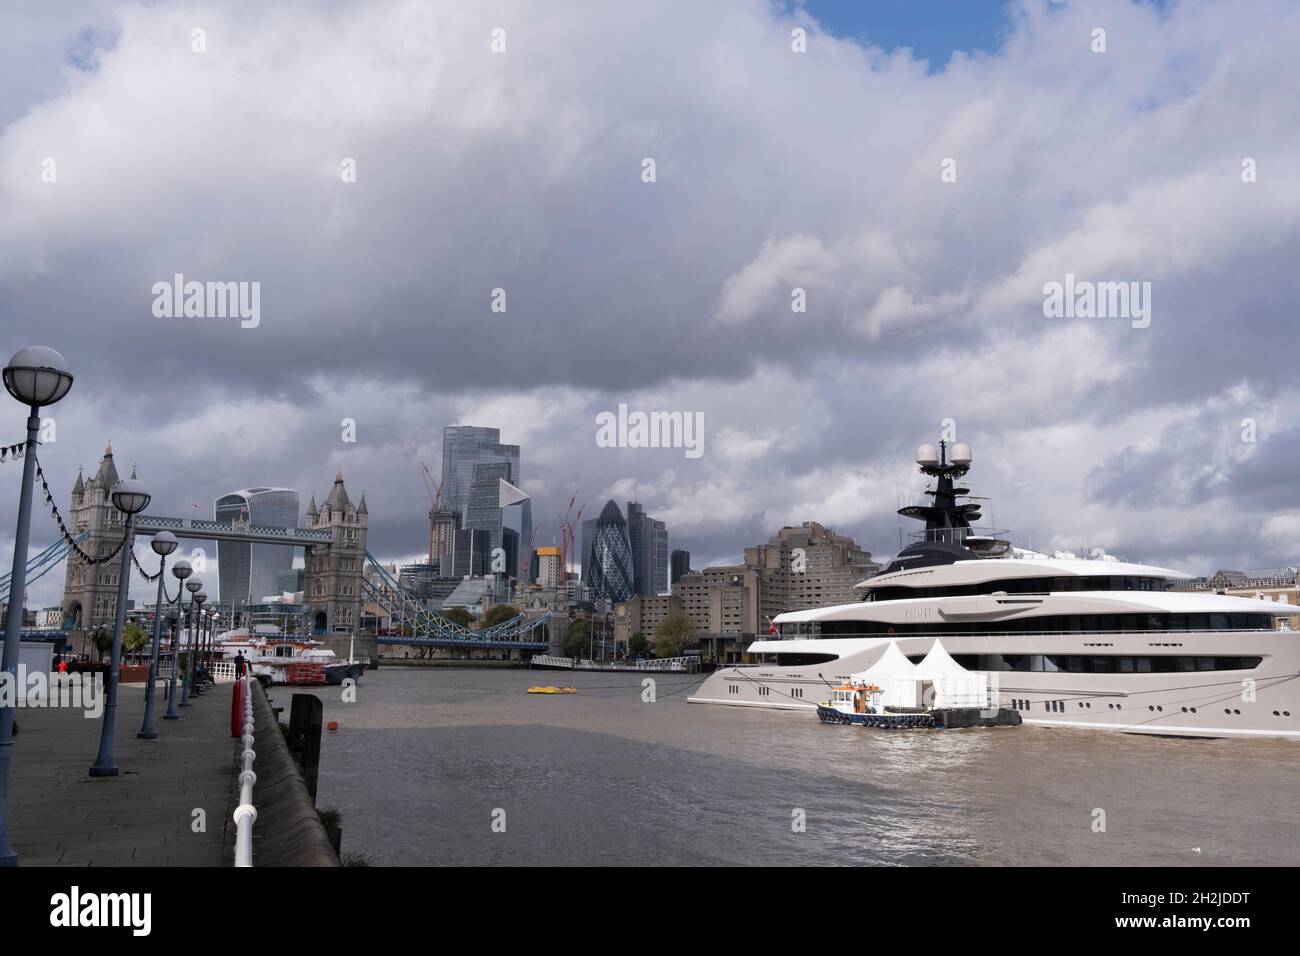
point(63, 528)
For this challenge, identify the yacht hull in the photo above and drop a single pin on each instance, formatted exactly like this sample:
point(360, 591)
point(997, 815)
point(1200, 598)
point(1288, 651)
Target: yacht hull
point(1263, 701)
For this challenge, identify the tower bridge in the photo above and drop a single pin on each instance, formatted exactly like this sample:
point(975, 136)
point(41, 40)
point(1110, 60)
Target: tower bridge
point(339, 574)
point(231, 531)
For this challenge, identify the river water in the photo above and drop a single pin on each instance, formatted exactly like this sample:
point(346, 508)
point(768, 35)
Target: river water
point(426, 760)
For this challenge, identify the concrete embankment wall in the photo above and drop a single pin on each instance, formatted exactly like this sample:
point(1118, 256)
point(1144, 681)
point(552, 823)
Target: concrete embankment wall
point(288, 831)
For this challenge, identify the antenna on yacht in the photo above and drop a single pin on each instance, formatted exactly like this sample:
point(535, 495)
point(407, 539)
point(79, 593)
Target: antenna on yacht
point(945, 519)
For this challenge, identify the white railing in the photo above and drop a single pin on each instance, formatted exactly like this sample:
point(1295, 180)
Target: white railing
point(674, 664)
point(245, 814)
point(223, 672)
point(545, 660)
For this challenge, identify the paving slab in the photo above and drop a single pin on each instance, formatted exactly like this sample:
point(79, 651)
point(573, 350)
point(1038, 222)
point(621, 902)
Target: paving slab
point(60, 816)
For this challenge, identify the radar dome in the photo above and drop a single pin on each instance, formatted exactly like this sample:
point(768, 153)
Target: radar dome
point(960, 454)
point(927, 455)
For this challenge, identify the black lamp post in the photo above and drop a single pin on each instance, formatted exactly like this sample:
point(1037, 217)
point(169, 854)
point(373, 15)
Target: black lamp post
point(130, 498)
point(194, 586)
point(36, 377)
point(163, 544)
point(180, 570)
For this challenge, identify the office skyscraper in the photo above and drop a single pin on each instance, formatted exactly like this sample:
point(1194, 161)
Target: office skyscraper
point(470, 554)
point(679, 564)
point(607, 555)
point(648, 538)
point(246, 573)
point(464, 447)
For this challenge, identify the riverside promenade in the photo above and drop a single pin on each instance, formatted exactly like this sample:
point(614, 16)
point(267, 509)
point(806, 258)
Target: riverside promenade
point(60, 816)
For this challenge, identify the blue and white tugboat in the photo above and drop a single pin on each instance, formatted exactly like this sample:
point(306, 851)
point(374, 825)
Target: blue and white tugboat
point(863, 703)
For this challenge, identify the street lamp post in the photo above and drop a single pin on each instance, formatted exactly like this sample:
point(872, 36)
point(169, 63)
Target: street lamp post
point(212, 637)
point(194, 585)
point(130, 498)
point(36, 377)
point(197, 651)
point(163, 544)
point(180, 570)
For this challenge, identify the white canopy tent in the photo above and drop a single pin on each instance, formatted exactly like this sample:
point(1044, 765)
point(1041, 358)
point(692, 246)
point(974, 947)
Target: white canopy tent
point(953, 685)
point(895, 675)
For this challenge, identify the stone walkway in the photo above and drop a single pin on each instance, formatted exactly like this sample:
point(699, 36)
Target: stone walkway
point(60, 816)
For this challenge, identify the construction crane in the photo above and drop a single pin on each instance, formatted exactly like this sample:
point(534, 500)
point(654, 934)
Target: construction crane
point(526, 558)
point(434, 489)
point(568, 537)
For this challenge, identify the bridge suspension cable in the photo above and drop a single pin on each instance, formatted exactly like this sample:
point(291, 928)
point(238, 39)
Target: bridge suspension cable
point(429, 627)
point(43, 563)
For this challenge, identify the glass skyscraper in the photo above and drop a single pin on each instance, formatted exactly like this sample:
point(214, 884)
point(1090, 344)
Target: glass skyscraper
point(463, 448)
point(607, 555)
point(246, 573)
point(648, 538)
point(484, 509)
point(474, 463)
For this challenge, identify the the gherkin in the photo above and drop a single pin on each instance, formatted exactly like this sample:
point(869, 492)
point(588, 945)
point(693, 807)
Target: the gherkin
point(607, 555)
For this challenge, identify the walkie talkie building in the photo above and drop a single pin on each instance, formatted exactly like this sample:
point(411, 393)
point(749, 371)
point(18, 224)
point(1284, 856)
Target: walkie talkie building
point(249, 572)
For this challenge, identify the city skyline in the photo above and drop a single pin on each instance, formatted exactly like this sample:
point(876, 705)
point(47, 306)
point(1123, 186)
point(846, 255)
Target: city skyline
point(924, 297)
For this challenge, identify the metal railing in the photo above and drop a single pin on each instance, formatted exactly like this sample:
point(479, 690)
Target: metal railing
point(676, 664)
point(920, 635)
point(959, 535)
point(246, 814)
point(222, 671)
point(673, 664)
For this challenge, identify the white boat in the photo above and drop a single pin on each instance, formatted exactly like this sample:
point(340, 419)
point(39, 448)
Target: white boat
point(1065, 642)
point(288, 660)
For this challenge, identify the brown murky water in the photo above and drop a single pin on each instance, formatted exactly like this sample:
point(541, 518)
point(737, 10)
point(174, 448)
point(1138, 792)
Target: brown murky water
point(425, 758)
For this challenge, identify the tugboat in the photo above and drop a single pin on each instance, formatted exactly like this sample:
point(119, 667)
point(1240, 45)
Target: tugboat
point(894, 693)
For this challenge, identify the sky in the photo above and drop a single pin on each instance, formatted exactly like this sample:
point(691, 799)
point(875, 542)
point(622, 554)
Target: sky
point(919, 174)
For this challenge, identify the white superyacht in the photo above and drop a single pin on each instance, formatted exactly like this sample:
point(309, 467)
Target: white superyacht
point(1066, 642)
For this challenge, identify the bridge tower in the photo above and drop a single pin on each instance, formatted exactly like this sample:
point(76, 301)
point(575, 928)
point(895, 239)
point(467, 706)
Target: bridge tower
point(90, 591)
point(333, 573)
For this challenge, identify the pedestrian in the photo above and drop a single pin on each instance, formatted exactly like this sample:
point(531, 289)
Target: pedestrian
point(240, 664)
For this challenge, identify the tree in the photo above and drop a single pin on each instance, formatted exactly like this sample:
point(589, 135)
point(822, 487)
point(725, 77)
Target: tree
point(675, 633)
point(578, 641)
point(637, 646)
point(103, 642)
point(458, 615)
point(499, 614)
point(133, 638)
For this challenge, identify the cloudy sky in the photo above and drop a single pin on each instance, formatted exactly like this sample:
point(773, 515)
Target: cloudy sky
point(921, 171)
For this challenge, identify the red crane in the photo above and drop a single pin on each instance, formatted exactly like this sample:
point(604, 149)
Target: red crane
point(434, 489)
point(568, 537)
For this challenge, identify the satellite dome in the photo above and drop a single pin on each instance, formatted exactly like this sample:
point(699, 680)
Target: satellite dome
point(927, 455)
point(960, 454)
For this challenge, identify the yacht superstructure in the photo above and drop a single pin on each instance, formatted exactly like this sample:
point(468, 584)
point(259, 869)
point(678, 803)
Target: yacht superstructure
point(1066, 642)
